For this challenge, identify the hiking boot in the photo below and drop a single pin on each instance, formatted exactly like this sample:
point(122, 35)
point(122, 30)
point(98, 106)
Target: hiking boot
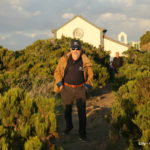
point(83, 138)
point(67, 130)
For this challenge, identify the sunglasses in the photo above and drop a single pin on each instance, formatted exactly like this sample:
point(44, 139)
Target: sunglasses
point(77, 48)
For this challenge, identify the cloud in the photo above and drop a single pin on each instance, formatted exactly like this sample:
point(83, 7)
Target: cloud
point(113, 16)
point(15, 3)
point(109, 19)
point(117, 22)
point(144, 24)
point(18, 6)
point(21, 39)
point(36, 13)
point(124, 19)
point(4, 36)
point(34, 34)
point(124, 3)
point(127, 3)
point(68, 15)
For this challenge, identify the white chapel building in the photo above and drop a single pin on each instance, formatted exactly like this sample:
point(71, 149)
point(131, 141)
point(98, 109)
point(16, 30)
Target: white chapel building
point(80, 28)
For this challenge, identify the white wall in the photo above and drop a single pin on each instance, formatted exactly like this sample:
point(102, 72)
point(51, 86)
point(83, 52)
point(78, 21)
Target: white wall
point(114, 47)
point(91, 33)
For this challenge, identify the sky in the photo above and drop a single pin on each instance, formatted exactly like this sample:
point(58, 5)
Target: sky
point(24, 21)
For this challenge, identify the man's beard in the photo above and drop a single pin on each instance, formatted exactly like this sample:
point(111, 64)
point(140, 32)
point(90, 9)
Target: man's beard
point(76, 56)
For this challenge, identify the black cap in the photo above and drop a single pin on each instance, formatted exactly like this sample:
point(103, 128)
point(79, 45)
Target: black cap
point(75, 44)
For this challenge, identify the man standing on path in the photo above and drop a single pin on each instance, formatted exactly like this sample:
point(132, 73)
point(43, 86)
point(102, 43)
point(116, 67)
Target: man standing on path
point(117, 62)
point(73, 75)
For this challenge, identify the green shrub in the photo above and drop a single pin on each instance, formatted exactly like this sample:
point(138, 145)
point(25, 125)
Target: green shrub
point(131, 109)
point(26, 122)
point(32, 68)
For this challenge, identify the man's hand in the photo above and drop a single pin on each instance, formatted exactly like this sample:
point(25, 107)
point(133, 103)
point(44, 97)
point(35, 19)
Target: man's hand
point(61, 87)
point(87, 86)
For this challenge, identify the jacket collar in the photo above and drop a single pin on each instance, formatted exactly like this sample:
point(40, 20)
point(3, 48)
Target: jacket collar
point(86, 61)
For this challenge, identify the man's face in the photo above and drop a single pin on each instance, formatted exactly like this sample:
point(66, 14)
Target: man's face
point(117, 54)
point(75, 53)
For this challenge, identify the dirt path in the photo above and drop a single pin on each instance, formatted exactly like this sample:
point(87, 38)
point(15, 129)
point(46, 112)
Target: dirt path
point(101, 134)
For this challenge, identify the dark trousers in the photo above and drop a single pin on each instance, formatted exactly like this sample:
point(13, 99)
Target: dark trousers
point(69, 95)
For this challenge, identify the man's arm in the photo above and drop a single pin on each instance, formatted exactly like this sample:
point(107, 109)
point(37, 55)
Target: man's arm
point(89, 76)
point(58, 76)
point(89, 83)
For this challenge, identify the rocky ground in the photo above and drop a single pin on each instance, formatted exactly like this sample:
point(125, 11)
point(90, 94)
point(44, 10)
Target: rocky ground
point(101, 135)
